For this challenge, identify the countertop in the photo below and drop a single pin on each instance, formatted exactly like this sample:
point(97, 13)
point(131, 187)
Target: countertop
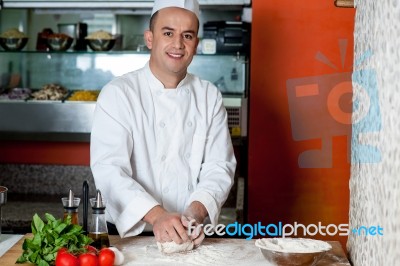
point(7, 241)
point(142, 250)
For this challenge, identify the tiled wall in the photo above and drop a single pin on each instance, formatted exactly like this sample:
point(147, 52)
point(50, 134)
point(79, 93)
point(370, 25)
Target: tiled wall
point(375, 183)
point(54, 180)
point(38, 189)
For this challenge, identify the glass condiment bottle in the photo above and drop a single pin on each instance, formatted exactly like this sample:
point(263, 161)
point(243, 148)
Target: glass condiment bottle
point(98, 227)
point(71, 205)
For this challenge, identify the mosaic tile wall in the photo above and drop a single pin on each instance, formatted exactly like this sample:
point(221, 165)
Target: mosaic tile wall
point(375, 183)
point(39, 189)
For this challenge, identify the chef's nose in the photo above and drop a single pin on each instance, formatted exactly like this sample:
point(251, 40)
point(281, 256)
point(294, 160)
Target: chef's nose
point(178, 42)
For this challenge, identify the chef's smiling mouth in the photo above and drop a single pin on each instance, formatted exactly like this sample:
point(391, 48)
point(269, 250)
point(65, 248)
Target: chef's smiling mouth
point(174, 55)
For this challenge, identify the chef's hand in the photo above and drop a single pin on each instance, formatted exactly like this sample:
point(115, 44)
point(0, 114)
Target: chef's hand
point(195, 230)
point(195, 214)
point(167, 226)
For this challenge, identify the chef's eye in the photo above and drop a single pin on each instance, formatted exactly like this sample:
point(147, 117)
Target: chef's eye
point(168, 33)
point(188, 36)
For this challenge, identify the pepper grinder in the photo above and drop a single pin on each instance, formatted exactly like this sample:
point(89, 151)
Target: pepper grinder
point(71, 205)
point(3, 201)
point(85, 192)
point(98, 231)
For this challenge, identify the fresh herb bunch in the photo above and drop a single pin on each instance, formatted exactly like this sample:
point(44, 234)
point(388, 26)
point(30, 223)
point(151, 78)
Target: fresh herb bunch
point(49, 237)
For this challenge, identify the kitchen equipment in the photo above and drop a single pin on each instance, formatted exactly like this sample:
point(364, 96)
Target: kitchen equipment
point(85, 192)
point(209, 46)
point(81, 30)
point(3, 201)
point(136, 42)
point(220, 84)
point(140, 5)
point(13, 44)
point(292, 251)
point(67, 28)
point(71, 205)
point(98, 228)
point(231, 36)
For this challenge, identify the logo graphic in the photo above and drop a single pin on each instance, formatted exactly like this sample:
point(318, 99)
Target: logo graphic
point(322, 107)
point(282, 230)
point(367, 116)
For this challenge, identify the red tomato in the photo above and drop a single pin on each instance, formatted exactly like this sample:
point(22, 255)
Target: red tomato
point(62, 250)
point(64, 258)
point(91, 249)
point(88, 259)
point(106, 257)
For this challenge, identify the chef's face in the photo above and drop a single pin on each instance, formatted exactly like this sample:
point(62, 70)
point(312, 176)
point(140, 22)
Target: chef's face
point(173, 41)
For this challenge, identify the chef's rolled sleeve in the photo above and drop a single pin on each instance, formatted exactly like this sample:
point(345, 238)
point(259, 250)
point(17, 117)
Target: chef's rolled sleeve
point(209, 203)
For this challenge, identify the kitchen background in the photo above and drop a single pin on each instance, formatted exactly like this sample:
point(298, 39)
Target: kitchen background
point(297, 165)
point(44, 144)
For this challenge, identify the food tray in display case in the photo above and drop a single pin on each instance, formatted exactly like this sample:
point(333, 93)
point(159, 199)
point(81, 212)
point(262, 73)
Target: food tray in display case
point(15, 95)
point(83, 96)
point(49, 93)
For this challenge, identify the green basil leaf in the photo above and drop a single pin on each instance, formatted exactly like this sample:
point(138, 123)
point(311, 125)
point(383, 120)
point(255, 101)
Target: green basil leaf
point(37, 224)
point(43, 263)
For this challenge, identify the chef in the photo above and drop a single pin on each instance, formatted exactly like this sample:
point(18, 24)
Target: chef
point(161, 152)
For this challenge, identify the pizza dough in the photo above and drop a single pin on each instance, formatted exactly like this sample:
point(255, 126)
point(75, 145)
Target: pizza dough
point(172, 247)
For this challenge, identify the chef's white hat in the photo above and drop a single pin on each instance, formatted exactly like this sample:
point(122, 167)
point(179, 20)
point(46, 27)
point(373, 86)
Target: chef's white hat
point(191, 5)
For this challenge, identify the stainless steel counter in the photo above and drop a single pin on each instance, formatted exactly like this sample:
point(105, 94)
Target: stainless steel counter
point(72, 121)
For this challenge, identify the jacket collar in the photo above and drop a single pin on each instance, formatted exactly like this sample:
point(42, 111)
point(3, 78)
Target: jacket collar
point(157, 85)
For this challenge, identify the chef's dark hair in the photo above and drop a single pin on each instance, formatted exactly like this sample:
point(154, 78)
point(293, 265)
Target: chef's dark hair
point(152, 21)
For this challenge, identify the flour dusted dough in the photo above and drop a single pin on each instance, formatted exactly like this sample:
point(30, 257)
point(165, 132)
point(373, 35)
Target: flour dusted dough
point(172, 247)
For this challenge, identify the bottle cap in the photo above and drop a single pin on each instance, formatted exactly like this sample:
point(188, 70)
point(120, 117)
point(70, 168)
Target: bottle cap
point(70, 201)
point(98, 202)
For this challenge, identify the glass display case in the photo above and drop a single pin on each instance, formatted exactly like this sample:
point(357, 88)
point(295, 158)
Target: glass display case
point(90, 71)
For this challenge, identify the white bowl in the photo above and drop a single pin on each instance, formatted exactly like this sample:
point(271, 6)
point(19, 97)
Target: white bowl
point(292, 251)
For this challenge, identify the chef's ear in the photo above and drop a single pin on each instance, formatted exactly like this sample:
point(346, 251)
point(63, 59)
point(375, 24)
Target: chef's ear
point(197, 44)
point(148, 38)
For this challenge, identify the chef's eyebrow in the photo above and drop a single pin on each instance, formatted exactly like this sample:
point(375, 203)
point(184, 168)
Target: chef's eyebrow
point(172, 29)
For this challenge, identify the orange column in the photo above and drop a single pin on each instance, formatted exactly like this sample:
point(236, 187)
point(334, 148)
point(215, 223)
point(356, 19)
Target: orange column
point(300, 110)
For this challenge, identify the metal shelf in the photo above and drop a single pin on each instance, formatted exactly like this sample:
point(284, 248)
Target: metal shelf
point(102, 4)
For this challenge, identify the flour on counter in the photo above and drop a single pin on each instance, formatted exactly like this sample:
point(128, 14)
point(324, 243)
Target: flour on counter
point(211, 252)
point(294, 245)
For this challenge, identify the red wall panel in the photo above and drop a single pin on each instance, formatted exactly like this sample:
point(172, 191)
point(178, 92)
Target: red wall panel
point(32, 152)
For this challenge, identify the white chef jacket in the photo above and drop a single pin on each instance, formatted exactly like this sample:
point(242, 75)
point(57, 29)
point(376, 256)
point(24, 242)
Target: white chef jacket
point(155, 146)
